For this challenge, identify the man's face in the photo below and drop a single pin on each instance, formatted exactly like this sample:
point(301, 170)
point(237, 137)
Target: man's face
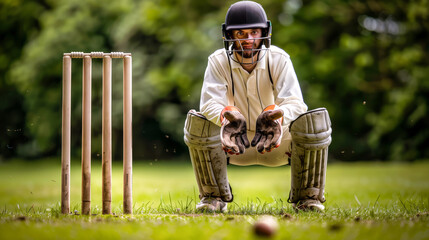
point(250, 41)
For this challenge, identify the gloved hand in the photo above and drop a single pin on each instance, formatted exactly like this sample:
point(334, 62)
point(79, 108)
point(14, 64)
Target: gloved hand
point(233, 132)
point(269, 130)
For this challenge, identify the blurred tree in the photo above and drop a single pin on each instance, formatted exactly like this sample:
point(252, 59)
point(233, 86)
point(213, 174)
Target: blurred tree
point(19, 24)
point(364, 61)
point(170, 41)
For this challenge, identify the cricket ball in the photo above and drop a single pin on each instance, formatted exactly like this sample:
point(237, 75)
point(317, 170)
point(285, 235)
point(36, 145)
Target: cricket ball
point(266, 226)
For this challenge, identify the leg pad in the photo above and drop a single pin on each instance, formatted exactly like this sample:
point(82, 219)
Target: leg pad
point(207, 157)
point(311, 137)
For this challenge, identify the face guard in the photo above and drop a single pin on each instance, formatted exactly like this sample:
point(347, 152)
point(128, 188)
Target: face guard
point(244, 55)
point(246, 15)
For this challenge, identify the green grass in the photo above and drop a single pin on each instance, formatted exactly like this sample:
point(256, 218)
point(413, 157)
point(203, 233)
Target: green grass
point(364, 201)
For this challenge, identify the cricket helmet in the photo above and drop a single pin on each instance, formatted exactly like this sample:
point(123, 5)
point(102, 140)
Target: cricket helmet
point(245, 15)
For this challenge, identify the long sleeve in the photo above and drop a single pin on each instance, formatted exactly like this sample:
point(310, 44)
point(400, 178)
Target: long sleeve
point(287, 91)
point(213, 93)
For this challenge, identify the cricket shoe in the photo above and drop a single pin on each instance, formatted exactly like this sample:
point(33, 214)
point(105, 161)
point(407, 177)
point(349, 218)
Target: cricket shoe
point(210, 204)
point(309, 205)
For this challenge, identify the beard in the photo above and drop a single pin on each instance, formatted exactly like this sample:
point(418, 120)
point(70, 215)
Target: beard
point(247, 51)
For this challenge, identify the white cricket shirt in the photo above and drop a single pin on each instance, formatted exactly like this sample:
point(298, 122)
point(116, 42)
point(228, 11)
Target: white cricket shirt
point(252, 91)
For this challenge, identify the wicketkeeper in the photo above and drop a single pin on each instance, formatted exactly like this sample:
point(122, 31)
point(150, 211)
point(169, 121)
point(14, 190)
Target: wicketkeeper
point(252, 112)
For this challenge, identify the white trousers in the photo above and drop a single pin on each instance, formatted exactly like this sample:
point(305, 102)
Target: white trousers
point(277, 157)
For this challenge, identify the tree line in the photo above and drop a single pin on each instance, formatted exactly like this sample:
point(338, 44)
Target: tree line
point(365, 61)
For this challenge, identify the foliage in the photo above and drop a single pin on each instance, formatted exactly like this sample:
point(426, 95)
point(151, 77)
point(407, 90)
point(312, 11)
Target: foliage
point(365, 61)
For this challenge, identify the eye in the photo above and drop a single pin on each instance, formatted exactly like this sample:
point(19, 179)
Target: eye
point(255, 32)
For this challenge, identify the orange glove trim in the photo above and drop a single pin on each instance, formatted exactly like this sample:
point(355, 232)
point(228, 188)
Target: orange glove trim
point(274, 107)
point(228, 108)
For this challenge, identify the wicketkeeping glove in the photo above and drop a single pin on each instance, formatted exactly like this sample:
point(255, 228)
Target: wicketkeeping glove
point(233, 133)
point(269, 130)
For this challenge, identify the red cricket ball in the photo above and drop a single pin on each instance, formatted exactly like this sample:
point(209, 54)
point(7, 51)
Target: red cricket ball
point(266, 226)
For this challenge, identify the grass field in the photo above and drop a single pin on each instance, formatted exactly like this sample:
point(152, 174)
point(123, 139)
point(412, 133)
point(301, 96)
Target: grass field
point(364, 201)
